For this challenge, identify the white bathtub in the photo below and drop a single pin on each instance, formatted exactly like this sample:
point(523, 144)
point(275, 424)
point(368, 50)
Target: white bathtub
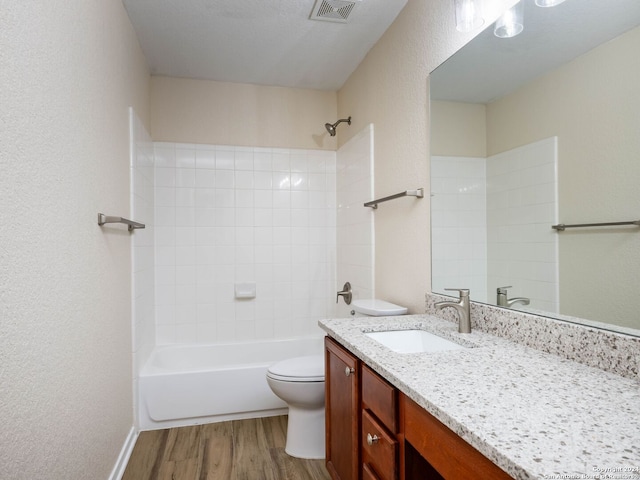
point(194, 384)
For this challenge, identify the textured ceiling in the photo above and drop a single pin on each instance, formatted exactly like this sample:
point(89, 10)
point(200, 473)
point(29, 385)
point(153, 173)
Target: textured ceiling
point(266, 42)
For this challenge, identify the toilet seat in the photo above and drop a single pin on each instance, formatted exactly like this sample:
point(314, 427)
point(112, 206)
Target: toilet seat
point(309, 368)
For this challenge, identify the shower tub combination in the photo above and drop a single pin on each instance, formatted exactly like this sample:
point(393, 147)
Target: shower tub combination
point(193, 384)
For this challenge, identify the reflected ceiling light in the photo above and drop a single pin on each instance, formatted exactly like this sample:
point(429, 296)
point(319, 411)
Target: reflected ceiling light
point(548, 3)
point(468, 15)
point(511, 22)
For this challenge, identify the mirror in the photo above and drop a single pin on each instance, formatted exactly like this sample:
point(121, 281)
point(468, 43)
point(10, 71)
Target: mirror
point(532, 131)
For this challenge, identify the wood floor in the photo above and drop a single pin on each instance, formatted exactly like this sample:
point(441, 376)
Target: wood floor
point(237, 450)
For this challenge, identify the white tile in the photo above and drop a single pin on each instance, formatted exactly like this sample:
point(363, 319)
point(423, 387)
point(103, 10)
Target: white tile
point(225, 217)
point(185, 236)
point(165, 156)
point(244, 235)
point(280, 162)
point(244, 179)
point(281, 180)
point(184, 255)
point(262, 160)
point(262, 198)
point(225, 179)
point(165, 236)
point(205, 197)
point(225, 198)
point(262, 180)
point(205, 178)
point(165, 196)
point(225, 160)
point(205, 159)
point(206, 217)
point(185, 275)
point(244, 160)
point(185, 157)
point(281, 199)
point(165, 216)
point(165, 177)
point(185, 216)
point(299, 181)
point(244, 254)
point(244, 199)
point(185, 197)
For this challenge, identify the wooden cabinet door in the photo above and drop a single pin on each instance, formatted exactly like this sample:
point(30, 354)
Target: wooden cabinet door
point(342, 404)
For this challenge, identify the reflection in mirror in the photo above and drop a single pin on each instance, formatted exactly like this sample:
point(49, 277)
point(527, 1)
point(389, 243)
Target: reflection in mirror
point(532, 131)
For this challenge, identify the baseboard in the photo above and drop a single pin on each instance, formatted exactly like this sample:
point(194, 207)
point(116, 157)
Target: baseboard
point(125, 453)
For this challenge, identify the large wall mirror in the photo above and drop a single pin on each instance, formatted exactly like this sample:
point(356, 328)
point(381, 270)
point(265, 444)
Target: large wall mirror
point(533, 131)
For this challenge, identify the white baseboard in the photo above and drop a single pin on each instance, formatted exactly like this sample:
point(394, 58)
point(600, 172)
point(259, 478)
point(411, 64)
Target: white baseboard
point(125, 453)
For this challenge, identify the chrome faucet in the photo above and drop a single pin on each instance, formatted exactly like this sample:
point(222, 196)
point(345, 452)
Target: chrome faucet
point(503, 301)
point(463, 307)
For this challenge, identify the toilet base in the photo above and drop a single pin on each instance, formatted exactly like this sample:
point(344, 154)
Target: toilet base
point(305, 433)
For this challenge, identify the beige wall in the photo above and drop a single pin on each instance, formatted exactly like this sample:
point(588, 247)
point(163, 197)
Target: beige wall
point(220, 113)
point(592, 106)
point(458, 129)
point(390, 89)
point(69, 70)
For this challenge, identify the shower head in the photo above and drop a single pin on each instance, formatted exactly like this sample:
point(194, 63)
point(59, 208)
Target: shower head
point(331, 128)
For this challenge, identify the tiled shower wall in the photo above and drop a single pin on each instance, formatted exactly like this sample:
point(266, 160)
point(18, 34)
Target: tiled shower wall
point(521, 207)
point(142, 251)
point(491, 224)
point(355, 243)
point(227, 215)
point(459, 225)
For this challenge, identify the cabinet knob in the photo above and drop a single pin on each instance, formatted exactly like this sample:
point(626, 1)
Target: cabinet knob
point(349, 370)
point(371, 439)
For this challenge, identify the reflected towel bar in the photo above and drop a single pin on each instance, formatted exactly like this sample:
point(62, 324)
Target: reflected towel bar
point(102, 219)
point(561, 226)
point(409, 193)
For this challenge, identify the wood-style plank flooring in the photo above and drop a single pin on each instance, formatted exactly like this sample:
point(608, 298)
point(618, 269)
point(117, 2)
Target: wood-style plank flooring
point(237, 450)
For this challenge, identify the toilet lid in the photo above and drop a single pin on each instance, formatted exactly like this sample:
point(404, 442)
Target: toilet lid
point(299, 369)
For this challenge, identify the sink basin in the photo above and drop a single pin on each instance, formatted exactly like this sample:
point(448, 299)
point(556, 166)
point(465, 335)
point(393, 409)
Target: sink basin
point(413, 341)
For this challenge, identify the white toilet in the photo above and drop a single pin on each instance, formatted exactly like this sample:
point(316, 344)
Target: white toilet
point(299, 382)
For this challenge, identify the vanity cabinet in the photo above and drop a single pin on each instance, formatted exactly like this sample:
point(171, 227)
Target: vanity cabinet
point(375, 432)
point(342, 411)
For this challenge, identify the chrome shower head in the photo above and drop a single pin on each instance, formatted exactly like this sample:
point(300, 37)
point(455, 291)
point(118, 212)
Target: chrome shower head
point(331, 128)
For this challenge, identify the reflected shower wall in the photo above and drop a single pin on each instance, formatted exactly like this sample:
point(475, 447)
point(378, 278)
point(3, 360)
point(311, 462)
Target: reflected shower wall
point(491, 224)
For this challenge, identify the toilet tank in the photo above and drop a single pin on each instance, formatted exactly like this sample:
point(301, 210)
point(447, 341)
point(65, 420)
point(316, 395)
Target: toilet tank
point(376, 308)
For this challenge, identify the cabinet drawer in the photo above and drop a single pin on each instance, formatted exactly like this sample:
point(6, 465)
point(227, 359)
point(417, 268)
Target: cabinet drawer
point(367, 473)
point(381, 456)
point(380, 397)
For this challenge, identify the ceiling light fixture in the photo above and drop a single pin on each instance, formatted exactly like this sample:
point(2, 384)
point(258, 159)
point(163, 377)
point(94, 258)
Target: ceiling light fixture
point(548, 3)
point(468, 15)
point(511, 22)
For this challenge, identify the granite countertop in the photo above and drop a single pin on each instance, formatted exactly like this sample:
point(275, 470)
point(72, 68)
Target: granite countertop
point(535, 415)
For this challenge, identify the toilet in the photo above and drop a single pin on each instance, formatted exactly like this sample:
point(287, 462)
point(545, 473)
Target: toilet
point(299, 382)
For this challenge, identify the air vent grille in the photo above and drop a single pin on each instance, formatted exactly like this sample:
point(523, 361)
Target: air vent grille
point(332, 10)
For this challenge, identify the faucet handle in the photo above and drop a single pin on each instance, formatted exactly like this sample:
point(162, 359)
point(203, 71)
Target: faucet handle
point(464, 292)
point(503, 289)
point(345, 294)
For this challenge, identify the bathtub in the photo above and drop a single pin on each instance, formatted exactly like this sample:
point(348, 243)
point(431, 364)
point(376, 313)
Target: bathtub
point(193, 384)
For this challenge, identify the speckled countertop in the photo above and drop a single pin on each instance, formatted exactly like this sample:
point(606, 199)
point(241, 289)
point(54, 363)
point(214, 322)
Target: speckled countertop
point(534, 414)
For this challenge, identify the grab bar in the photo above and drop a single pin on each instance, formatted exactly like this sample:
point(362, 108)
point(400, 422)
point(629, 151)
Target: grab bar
point(409, 193)
point(131, 225)
point(561, 226)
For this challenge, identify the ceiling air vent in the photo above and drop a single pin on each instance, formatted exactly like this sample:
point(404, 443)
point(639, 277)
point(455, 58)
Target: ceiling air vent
point(332, 10)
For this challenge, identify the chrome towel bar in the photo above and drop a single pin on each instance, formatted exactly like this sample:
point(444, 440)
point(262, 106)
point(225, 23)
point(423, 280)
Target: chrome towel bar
point(409, 193)
point(102, 219)
point(561, 226)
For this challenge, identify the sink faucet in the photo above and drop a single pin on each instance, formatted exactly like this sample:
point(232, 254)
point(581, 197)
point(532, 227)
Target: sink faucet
point(463, 308)
point(503, 301)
